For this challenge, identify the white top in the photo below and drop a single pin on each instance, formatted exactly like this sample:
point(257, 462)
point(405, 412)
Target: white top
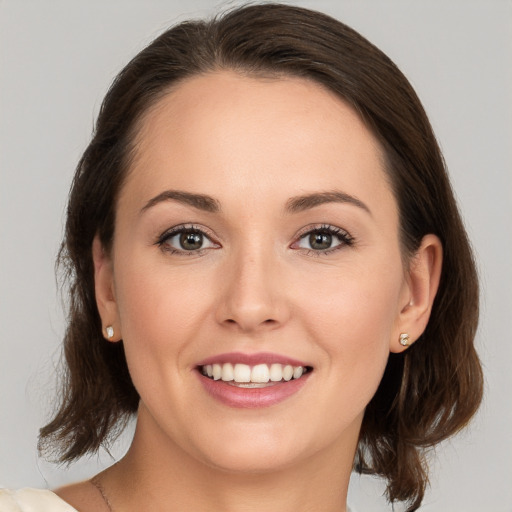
point(32, 500)
point(35, 500)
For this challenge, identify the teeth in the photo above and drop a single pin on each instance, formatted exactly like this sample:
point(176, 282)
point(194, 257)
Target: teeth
point(227, 372)
point(217, 371)
point(242, 373)
point(260, 374)
point(287, 372)
point(276, 372)
point(297, 372)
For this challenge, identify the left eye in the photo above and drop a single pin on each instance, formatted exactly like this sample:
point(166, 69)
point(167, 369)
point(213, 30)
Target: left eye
point(187, 240)
point(323, 240)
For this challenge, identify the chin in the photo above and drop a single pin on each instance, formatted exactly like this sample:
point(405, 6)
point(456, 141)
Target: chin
point(256, 450)
point(248, 461)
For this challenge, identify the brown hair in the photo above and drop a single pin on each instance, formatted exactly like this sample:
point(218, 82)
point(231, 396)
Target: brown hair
point(429, 392)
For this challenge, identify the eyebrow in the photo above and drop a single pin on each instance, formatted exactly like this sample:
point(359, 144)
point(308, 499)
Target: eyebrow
point(308, 201)
point(199, 201)
point(293, 205)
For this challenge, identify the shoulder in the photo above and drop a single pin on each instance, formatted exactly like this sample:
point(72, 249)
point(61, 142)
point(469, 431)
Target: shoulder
point(32, 500)
point(83, 496)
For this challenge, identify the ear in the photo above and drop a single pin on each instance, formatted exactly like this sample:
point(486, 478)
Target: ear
point(418, 292)
point(104, 289)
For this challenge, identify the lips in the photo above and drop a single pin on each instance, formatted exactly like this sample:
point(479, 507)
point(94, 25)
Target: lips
point(252, 380)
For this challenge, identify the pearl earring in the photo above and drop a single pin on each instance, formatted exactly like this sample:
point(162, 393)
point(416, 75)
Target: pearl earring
point(404, 339)
point(110, 332)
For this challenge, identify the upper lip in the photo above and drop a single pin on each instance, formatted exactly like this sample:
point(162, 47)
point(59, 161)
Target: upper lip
point(252, 359)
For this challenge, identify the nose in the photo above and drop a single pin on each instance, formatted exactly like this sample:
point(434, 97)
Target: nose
point(253, 294)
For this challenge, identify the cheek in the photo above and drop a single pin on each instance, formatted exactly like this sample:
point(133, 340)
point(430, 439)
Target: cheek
point(356, 305)
point(154, 300)
point(353, 321)
point(161, 313)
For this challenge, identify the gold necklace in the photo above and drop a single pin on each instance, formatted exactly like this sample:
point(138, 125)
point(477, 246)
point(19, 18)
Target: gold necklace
point(96, 482)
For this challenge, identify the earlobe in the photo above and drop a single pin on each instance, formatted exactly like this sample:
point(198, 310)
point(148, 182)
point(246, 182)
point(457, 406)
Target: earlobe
point(104, 290)
point(421, 286)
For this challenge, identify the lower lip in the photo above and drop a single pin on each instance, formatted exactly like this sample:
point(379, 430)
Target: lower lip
point(250, 398)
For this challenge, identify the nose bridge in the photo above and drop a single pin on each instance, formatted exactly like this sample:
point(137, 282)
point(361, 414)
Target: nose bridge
point(253, 294)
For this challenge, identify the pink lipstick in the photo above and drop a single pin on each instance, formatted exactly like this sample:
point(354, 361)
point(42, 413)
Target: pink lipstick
point(252, 380)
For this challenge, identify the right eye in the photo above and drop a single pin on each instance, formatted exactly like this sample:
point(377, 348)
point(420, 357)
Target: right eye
point(186, 240)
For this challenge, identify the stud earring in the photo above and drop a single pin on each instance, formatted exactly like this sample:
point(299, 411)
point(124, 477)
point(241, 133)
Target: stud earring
point(110, 332)
point(404, 339)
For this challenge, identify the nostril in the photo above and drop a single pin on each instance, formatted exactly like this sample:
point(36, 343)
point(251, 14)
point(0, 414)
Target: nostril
point(270, 321)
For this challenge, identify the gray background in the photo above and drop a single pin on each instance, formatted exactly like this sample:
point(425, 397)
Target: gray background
point(57, 60)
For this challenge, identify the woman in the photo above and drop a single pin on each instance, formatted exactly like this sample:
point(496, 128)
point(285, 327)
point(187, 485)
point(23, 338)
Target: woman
point(267, 265)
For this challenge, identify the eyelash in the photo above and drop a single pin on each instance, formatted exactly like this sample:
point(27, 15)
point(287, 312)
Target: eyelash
point(164, 238)
point(344, 238)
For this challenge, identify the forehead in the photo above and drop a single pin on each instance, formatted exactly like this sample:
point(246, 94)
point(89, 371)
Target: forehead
point(224, 127)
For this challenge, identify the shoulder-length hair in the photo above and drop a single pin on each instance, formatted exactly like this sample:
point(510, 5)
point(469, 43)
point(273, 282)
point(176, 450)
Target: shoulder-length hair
point(429, 392)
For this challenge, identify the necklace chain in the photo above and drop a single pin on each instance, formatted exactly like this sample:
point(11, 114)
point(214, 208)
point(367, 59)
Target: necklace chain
point(96, 482)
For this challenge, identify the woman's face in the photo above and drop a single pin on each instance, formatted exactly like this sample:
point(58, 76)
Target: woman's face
point(256, 231)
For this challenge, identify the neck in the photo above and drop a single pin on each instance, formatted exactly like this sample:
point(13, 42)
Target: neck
point(158, 475)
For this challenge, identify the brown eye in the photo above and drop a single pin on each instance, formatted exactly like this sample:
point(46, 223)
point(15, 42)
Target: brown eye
point(186, 240)
point(320, 241)
point(191, 241)
point(323, 240)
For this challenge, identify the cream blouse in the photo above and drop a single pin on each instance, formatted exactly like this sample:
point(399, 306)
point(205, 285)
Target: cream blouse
point(35, 500)
point(32, 500)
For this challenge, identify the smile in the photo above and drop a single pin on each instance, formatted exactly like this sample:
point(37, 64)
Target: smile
point(242, 380)
point(260, 375)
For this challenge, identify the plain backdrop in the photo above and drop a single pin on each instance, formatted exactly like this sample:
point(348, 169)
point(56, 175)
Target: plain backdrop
point(57, 59)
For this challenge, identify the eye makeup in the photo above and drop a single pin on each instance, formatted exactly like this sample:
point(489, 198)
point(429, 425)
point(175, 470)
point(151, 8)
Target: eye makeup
point(187, 240)
point(193, 239)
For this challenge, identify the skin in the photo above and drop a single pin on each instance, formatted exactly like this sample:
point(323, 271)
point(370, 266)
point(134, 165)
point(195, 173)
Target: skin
point(252, 144)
